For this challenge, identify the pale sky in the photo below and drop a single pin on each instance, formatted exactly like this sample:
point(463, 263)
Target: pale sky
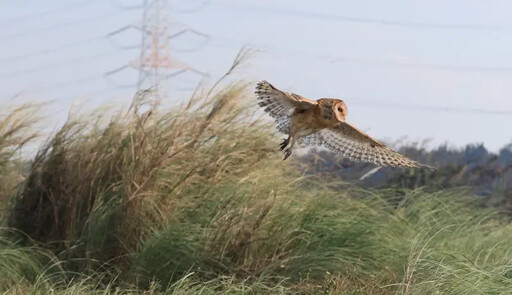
point(439, 70)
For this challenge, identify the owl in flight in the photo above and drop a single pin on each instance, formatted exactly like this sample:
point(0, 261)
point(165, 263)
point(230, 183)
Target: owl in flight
point(322, 122)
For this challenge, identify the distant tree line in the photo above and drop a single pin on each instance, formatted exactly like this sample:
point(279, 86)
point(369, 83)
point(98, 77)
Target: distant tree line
point(488, 174)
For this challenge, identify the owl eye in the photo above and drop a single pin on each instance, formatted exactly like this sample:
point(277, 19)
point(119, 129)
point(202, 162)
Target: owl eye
point(340, 110)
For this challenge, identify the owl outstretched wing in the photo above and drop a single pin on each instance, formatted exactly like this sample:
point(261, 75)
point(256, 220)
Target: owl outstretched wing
point(353, 143)
point(278, 103)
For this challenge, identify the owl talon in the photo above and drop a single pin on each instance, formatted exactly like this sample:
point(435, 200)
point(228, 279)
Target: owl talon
point(284, 143)
point(287, 153)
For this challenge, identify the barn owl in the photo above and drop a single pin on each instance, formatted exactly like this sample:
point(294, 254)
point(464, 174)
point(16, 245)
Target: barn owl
point(323, 123)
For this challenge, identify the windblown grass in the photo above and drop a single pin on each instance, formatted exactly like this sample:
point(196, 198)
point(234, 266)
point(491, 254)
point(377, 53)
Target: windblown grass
point(197, 201)
point(16, 130)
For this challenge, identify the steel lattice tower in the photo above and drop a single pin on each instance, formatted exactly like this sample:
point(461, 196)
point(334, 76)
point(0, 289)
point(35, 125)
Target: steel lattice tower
point(155, 62)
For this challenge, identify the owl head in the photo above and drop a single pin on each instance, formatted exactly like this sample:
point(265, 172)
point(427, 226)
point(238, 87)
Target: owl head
point(340, 110)
point(333, 109)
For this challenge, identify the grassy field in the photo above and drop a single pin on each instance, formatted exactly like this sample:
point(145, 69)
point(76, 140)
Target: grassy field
point(196, 200)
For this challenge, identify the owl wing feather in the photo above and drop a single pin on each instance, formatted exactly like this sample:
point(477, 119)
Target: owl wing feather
point(278, 103)
point(353, 143)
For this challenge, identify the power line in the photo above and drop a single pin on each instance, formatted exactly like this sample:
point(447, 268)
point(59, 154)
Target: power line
point(424, 108)
point(354, 101)
point(70, 82)
point(373, 21)
point(198, 7)
point(58, 26)
point(390, 104)
point(373, 103)
point(64, 84)
point(46, 12)
point(205, 37)
point(50, 50)
point(59, 64)
point(367, 61)
point(376, 62)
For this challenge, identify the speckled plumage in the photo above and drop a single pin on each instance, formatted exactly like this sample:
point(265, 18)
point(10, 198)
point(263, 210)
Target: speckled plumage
point(322, 123)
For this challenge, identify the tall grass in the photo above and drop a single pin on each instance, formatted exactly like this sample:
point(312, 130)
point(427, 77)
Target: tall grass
point(196, 200)
point(17, 127)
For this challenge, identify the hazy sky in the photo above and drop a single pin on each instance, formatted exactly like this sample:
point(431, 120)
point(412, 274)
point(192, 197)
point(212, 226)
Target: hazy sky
point(439, 70)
